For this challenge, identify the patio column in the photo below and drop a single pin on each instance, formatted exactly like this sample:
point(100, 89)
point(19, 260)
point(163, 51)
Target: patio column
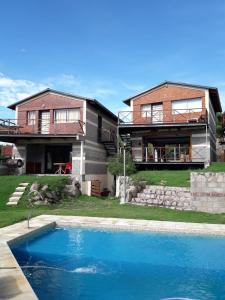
point(20, 152)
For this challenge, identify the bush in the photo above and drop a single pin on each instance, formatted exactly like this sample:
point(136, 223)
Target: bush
point(115, 165)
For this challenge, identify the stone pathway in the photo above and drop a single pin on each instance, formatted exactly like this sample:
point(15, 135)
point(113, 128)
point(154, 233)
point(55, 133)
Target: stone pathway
point(15, 197)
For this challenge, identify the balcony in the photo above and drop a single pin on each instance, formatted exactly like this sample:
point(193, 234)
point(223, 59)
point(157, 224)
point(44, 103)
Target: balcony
point(174, 157)
point(157, 117)
point(43, 127)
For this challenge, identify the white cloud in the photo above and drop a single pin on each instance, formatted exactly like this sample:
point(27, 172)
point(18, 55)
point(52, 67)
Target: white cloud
point(12, 90)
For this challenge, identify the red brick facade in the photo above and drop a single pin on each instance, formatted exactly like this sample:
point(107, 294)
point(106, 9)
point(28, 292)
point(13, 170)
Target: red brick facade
point(49, 102)
point(166, 94)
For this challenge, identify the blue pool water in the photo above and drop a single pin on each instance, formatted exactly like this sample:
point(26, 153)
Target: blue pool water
point(75, 263)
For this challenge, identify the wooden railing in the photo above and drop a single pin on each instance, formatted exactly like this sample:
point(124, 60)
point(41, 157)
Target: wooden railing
point(40, 126)
point(195, 115)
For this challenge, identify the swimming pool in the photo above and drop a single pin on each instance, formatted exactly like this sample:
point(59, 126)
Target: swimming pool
point(76, 263)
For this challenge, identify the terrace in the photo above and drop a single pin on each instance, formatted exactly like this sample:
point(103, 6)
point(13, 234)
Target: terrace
point(139, 117)
point(11, 129)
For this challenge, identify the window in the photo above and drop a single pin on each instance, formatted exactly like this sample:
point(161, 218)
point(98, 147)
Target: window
point(30, 117)
point(187, 106)
point(66, 115)
point(146, 110)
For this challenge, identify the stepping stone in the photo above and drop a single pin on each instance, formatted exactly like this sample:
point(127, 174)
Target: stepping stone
point(20, 189)
point(11, 203)
point(23, 184)
point(17, 194)
point(14, 199)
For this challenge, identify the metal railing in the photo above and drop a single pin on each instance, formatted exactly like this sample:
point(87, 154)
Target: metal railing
point(41, 126)
point(107, 135)
point(195, 115)
point(169, 154)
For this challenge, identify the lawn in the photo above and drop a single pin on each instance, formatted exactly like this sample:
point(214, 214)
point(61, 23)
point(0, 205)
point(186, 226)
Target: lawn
point(89, 206)
point(174, 177)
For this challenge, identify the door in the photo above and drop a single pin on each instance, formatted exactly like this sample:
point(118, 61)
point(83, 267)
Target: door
point(157, 113)
point(45, 122)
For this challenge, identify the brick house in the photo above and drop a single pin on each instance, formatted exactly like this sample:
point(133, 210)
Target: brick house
point(171, 125)
point(53, 127)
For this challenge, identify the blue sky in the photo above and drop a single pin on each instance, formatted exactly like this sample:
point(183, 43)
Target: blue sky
point(109, 49)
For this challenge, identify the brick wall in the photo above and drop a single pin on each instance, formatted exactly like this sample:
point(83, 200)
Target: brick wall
point(49, 102)
point(166, 94)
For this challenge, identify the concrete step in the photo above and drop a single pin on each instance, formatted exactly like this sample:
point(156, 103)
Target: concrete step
point(20, 189)
point(23, 184)
point(17, 194)
point(11, 203)
point(14, 199)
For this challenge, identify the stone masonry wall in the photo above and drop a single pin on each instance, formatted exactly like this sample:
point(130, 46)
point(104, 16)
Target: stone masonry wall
point(164, 196)
point(206, 194)
point(208, 191)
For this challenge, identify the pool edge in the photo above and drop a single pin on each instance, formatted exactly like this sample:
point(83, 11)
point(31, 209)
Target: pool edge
point(9, 268)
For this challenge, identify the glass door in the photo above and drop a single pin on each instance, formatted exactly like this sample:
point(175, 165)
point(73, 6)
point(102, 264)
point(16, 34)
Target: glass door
point(45, 122)
point(157, 113)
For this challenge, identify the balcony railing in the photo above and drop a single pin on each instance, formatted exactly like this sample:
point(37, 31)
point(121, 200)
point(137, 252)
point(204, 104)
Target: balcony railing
point(40, 126)
point(169, 154)
point(137, 117)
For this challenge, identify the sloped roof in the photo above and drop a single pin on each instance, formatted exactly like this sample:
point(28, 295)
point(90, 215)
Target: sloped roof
point(214, 94)
point(91, 101)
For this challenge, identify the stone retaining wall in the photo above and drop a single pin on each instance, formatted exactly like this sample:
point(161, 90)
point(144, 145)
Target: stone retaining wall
point(206, 194)
point(208, 191)
point(165, 196)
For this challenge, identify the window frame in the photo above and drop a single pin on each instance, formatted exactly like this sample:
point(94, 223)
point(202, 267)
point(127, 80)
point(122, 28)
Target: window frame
point(31, 121)
point(146, 113)
point(186, 109)
point(67, 110)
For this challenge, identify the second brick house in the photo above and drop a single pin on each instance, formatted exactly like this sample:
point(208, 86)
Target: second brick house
point(171, 125)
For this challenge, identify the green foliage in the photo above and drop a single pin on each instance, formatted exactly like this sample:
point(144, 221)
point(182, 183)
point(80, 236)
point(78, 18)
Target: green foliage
point(115, 165)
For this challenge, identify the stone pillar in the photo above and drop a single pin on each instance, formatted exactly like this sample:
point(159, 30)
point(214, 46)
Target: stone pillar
point(208, 192)
point(78, 160)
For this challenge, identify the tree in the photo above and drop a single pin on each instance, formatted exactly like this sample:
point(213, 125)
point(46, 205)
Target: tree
point(115, 165)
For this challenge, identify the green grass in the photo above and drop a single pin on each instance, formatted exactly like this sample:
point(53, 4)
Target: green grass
point(103, 207)
point(174, 177)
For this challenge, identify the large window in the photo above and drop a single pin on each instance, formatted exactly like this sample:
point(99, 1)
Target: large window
point(187, 106)
point(146, 110)
point(30, 117)
point(66, 115)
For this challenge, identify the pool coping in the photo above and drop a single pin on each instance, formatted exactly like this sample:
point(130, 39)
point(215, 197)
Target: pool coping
point(14, 283)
